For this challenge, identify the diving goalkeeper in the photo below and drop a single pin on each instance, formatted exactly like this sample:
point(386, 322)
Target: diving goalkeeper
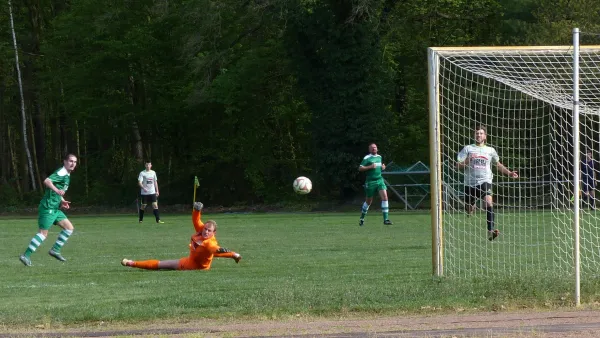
point(203, 247)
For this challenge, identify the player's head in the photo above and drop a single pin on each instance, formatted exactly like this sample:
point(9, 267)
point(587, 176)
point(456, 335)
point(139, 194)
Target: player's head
point(588, 152)
point(70, 162)
point(372, 148)
point(210, 227)
point(480, 134)
point(148, 165)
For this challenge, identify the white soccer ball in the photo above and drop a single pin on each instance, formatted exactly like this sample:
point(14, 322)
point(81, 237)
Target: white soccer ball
point(302, 185)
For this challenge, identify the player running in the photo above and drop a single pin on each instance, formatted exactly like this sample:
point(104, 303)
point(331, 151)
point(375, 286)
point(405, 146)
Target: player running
point(50, 212)
point(477, 159)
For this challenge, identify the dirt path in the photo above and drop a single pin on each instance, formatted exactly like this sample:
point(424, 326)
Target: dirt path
point(583, 324)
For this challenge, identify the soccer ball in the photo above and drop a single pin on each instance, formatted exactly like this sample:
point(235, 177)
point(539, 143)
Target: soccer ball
point(302, 185)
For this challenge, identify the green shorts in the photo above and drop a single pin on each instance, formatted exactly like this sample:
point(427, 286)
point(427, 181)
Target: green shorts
point(48, 217)
point(373, 187)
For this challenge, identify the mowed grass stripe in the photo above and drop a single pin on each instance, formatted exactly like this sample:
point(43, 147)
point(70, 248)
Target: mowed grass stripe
point(305, 263)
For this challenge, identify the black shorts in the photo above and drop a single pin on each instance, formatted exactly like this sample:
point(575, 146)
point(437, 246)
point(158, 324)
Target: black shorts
point(472, 194)
point(148, 199)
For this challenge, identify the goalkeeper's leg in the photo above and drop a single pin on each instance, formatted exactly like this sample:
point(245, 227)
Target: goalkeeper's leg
point(152, 264)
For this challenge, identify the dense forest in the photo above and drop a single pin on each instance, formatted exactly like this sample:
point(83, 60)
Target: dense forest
point(244, 94)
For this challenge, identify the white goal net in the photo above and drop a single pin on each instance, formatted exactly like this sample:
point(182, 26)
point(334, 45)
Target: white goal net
point(524, 98)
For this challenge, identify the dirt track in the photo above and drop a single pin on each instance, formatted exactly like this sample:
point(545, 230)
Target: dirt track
point(585, 324)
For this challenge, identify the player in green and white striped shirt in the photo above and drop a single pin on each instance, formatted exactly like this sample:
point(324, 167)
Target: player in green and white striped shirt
point(49, 212)
point(372, 166)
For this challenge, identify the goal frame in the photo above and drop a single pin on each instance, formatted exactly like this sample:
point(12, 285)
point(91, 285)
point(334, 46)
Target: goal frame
point(435, 137)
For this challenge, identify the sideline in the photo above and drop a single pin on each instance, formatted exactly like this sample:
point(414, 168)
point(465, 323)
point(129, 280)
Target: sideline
point(583, 323)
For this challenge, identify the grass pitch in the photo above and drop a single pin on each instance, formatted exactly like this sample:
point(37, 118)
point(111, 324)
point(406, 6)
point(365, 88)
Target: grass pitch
point(310, 264)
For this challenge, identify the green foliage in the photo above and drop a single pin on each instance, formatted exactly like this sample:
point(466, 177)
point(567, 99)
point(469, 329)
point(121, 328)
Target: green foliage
point(556, 20)
point(243, 87)
point(9, 197)
point(408, 30)
point(337, 52)
point(245, 94)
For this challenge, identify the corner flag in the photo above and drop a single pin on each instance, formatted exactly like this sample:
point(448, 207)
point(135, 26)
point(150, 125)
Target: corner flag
point(196, 184)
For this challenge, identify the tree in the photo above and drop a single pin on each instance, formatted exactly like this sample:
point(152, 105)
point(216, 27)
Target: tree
point(23, 115)
point(336, 48)
point(555, 21)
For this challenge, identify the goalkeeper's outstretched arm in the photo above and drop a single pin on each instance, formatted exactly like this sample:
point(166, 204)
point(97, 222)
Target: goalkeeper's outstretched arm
point(226, 253)
point(197, 215)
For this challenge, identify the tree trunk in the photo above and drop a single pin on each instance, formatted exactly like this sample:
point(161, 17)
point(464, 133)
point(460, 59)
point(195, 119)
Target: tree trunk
point(32, 93)
point(13, 159)
point(39, 136)
point(23, 115)
point(85, 167)
point(4, 164)
point(138, 145)
point(35, 158)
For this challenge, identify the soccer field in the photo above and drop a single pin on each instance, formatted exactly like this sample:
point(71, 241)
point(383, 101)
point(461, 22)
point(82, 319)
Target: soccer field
point(320, 264)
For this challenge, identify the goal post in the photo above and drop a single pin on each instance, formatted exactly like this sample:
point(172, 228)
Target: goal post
point(541, 108)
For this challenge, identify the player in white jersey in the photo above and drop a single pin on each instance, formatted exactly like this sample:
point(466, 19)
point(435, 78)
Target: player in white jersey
point(476, 160)
point(148, 183)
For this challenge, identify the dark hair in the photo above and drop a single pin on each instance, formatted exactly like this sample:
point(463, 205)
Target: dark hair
point(68, 155)
point(147, 161)
point(481, 127)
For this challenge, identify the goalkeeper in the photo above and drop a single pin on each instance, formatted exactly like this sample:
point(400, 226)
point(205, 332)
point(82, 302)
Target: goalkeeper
point(203, 247)
point(476, 160)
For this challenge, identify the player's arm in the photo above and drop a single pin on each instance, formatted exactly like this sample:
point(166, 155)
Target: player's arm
point(215, 250)
point(156, 185)
point(506, 171)
point(63, 203)
point(211, 246)
point(224, 252)
point(196, 215)
point(364, 167)
point(48, 183)
point(463, 158)
point(141, 181)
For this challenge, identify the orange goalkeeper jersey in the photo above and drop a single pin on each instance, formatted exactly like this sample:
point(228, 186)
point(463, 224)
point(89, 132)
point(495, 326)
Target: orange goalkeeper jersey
point(202, 250)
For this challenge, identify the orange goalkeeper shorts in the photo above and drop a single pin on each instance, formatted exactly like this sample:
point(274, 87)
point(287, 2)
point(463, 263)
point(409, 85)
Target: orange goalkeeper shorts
point(189, 264)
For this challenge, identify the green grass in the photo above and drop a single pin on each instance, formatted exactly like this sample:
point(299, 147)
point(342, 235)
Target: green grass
point(531, 242)
point(311, 264)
